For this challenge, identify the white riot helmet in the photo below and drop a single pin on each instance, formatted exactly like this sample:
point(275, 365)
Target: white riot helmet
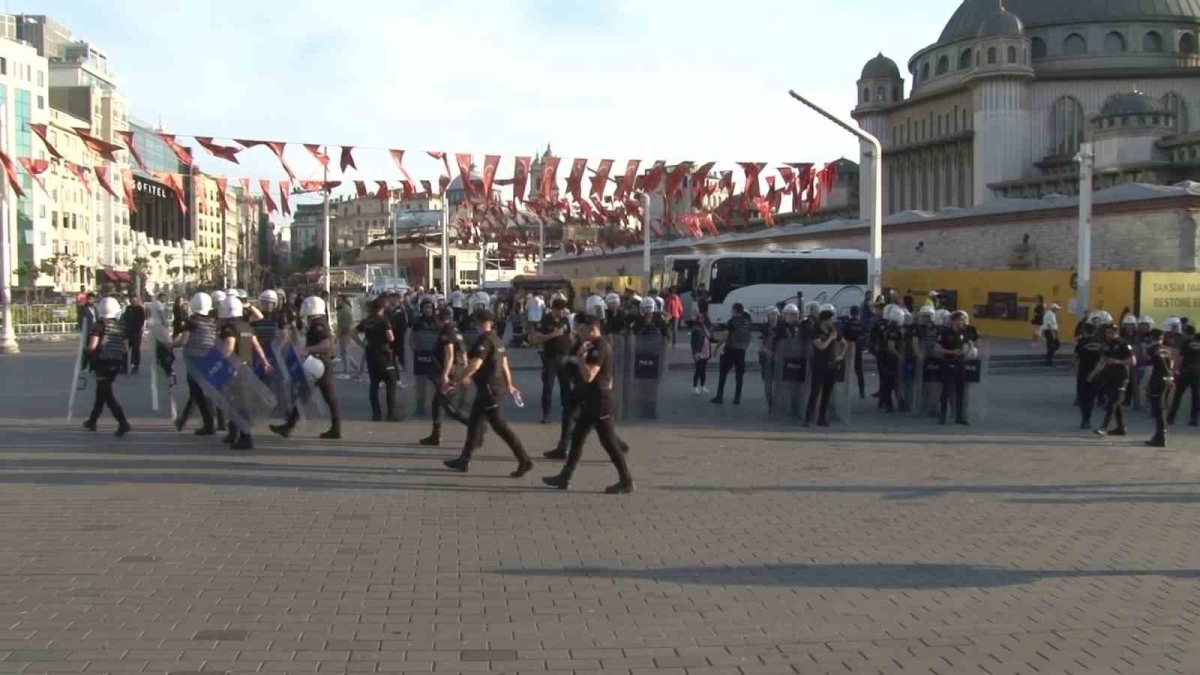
point(612, 300)
point(1129, 320)
point(1147, 320)
point(108, 308)
point(1100, 318)
point(201, 303)
point(893, 314)
point(1054, 307)
point(941, 317)
point(479, 300)
point(829, 308)
point(637, 299)
point(312, 306)
point(927, 312)
point(647, 305)
point(218, 296)
point(812, 308)
point(595, 306)
point(314, 368)
point(792, 309)
point(1173, 325)
point(269, 297)
point(772, 315)
point(231, 308)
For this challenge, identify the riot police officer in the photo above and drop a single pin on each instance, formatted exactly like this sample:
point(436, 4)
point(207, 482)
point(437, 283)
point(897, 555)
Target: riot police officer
point(889, 337)
point(828, 350)
point(951, 350)
point(107, 348)
point(377, 355)
point(238, 342)
point(446, 353)
point(733, 356)
point(1088, 351)
point(766, 360)
point(1158, 381)
point(318, 342)
point(553, 335)
point(1112, 374)
point(198, 335)
point(1189, 377)
point(615, 320)
point(854, 334)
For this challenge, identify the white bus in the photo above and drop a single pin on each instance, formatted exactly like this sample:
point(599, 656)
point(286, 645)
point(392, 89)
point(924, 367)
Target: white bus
point(762, 280)
point(681, 270)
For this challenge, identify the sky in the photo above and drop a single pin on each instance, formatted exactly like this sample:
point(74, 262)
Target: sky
point(620, 79)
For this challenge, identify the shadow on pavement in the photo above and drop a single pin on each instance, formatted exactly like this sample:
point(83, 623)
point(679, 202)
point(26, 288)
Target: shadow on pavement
point(864, 576)
point(1058, 494)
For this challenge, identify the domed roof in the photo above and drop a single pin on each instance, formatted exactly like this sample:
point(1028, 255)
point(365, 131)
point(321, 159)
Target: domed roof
point(1133, 103)
point(970, 16)
point(880, 68)
point(1000, 23)
point(456, 184)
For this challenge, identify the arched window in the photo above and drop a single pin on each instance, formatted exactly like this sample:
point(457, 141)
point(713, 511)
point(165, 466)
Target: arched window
point(943, 65)
point(1012, 54)
point(1039, 48)
point(1187, 43)
point(1114, 43)
point(964, 59)
point(880, 94)
point(866, 94)
point(925, 71)
point(1074, 45)
point(896, 93)
point(1152, 42)
point(1174, 103)
point(1066, 126)
point(991, 56)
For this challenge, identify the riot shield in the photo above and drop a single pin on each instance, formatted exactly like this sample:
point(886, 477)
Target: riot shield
point(78, 377)
point(279, 380)
point(299, 390)
point(844, 387)
point(164, 358)
point(649, 363)
point(424, 363)
point(621, 374)
point(790, 376)
point(975, 374)
point(232, 387)
point(907, 378)
point(928, 387)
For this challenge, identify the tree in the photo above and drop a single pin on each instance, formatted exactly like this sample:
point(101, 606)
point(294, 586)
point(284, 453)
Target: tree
point(309, 258)
point(28, 274)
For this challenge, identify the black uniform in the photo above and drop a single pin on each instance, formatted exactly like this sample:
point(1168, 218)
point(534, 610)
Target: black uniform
point(824, 376)
point(135, 324)
point(381, 365)
point(1112, 381)
point(852, 330)
point(107, 361)
point(877, 345)
point(318, 332)
point(952, 375)
point(596, 411)
point(1189, 379)
point(733, 357)
point(889, 338)
point(243, 351)
point(1088, 351)
point(202, 335)
point(554, 352)
point(489, 404)
point(1156, 389)
point(399, 321)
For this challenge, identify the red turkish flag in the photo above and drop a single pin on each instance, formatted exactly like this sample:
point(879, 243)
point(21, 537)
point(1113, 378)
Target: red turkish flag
point(184, 154)
point(764, 210)
point(652, 180)
point(520, 177)
point(347, 159)
point(726, 182)
point(464, 172)
point(626, 184)
point(443, 183)
point(436, 155)
point(102, 178)
point(360, 188)
point(276, 147)
point(789, 179)
point(222, 191)
point(284, 188)
point(128, 136)
point(548, 177)
point(35, 167)
point(752, 191)
point(600, 179)
point(80, 173)
point(225, 152)
point(11, 172)
point(575, 179)
point(171, 180)
point(245, 183)
point(675, 178)
point(700, 175)
point(382, 193)
point(317, 153)
point(408, 189)
point(41, 131)
point(127, 184)
point(102, 148)
point(265, 187)
point(490, 164)
point(200, 192)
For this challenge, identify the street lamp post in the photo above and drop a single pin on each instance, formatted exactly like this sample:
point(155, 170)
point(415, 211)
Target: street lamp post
point(8, 339)
point(1084, 264)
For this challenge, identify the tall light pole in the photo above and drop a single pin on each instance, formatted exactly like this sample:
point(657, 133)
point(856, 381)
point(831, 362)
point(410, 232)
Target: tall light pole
point(325, 218)
point(445, 243)
point(8, 339)
point(876, 214)
point(1083, 266)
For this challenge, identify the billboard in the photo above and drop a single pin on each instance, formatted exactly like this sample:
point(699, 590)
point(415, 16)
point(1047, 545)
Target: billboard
point(1165, 294)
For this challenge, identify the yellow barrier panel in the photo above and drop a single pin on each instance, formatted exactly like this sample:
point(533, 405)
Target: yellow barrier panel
point(1165, 294)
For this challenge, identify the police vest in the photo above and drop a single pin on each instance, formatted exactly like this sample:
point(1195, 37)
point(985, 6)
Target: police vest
point(740, 333)
point(202, 335)
point(266, 328)
point(424, 345)
point(244, 349)
point(113, 347)
point(470, 333)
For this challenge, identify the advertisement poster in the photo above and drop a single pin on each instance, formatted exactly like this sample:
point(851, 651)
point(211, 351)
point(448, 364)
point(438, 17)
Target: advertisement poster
point(1165, 294)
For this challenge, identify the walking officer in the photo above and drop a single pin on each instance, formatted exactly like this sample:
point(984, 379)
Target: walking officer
point(1158, 383)
point(377, 354)
point(1189, 377)
point(1088, 351)
point(107, 350)
point(488, 365)
point(198, 335)
point(238, 342)
point(733, 356)
point(447, 350)
point(951, 349)
point(1111, 375)
point(318, 341)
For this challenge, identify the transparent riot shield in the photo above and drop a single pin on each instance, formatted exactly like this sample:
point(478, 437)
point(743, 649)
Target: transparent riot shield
point(928, 387)
point(905, 379)
point(844, 387)
point(164, 359)
point(975, 374)
point(621, 374)
point(299, 391)
point(649, 349)
point(790, 366)
point(232, 387)
point(424, 366)
point(279, 379)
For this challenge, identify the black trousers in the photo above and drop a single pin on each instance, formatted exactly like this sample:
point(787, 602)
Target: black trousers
point(858, 372)
point(196, 397)
point(822, 388)
point(1112, 402)
point(888, 373)
point(954, 386)
point(735, 360)
point(1187, 380)
point(1156, 411)
point(325, 386)
point(398, 352)
point(135, 349)
point(106, 375)
point(571, 416)
point(381, 372)
point(597, 414)
point(443, 402)
point(700, 376)
point(674, 328)
point(1052, 345)
point(488, 406)
point(1085, 391)
point(552, 369)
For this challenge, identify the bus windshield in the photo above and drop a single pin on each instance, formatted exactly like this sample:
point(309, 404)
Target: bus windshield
point(683, 275)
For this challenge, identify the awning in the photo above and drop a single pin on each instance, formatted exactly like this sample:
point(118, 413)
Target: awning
point(118, 277)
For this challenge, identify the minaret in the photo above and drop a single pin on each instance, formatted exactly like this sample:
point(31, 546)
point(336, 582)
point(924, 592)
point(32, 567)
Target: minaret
point(879, 88)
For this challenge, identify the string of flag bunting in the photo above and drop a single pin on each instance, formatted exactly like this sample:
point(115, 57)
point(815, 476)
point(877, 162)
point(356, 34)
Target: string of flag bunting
point(485, 219)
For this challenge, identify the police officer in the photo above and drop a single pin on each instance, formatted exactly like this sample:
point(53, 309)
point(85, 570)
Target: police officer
point(1111, 375)
point(488, 365)
point(615, 319)
point(198, 335)
point(951, 349)
point(766, 351)
point(828, 350)
point(853, 333)
point(889, 338)
point(1089, 349)
point(425, 330)
point(1158, 382)
point(448, 352)
point(733, 356)
point(400, 320)
point(318, 341)
point(1189, 377)
point(381, 366)
point(238, 342)
point(595, 362)
point(877, 343)
point(553, 335)
point(107, 350)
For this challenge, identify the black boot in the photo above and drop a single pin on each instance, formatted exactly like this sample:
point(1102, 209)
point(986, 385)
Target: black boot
point(244, 442)
point(561, 481)
point(281, 429)
point(459, 464)
point(435, 438)
point(89, 424)
point(122, 428)
point(559, 453)
point(620, 488)
point(333, 434)
point(523, 467)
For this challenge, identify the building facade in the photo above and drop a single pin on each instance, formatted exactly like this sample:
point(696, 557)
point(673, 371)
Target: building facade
point(307, 220)
point(1001, 102)
point(71, 205)
point(24, 93)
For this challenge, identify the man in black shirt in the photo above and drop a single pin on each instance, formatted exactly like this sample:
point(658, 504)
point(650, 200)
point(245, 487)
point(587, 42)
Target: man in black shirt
point(399, 319)
point(595, 361)
point(488, 365)
point(318, 341)
point(448, 350)
point(574, 407)
point(828, 349)
point(381, 367)
point(1088, 351)
point(950, 350)
point(853, 333)
point(553, 335)
point(733, 356)
point(1113, 373)
point(135, 324)
point(1189, 377)
point(1158, 383)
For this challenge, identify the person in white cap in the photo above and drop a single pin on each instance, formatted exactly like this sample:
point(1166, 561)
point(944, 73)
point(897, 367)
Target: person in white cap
point(1050, 332)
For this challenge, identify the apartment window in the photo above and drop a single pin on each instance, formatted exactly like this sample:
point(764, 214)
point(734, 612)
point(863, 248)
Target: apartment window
point(41, 102)
point(3, 66)
point(41, 78)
